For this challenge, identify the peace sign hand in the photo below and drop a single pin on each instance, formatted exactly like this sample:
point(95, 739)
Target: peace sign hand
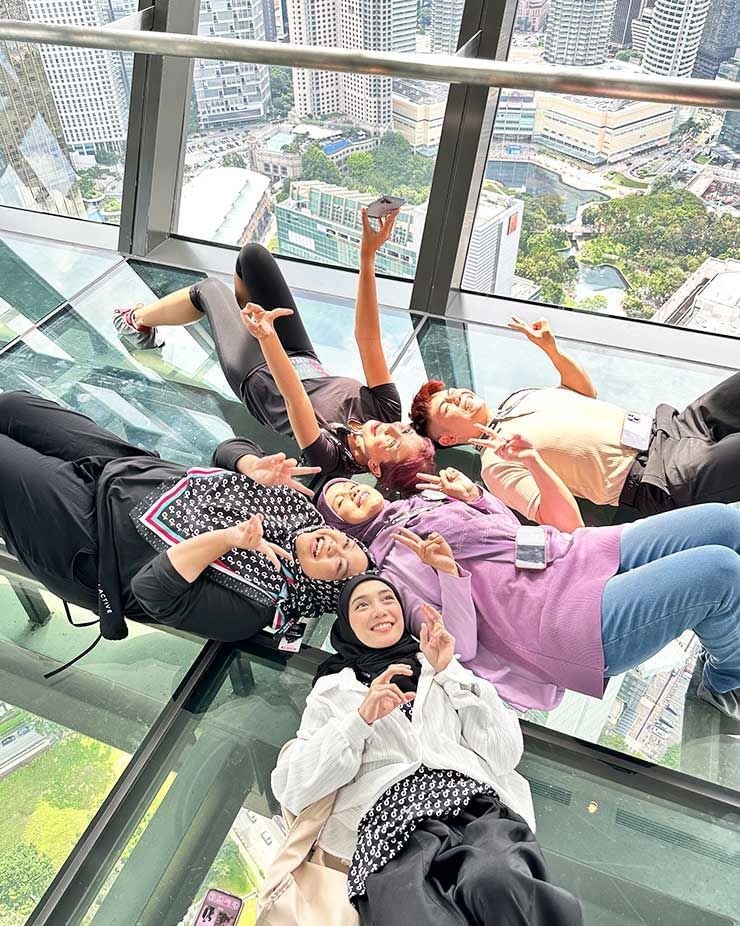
point(384, 696)
point(259, 322)
point(279, 470)
point(434, 551)
point(452, 482)
point(249, 536)
point(538, 332)
point(437, 643)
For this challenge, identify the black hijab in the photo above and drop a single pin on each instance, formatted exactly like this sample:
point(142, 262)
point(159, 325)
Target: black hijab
point(366, 661)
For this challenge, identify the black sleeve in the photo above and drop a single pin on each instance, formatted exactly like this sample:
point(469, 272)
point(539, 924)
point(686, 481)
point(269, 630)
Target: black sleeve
point(230, 451)
point(386, 401)
point(203, 607)
point(326, 453)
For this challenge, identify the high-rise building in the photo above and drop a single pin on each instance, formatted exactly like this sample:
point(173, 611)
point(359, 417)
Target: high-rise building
point(674, 36)
point(445, 28)
point(624, 15)
point(371, 25)
point(578, 31)
point(730, 132)
point(641, 29)
point(35, 169)
point(720, 38)
point(419, 112)
point(531, 15)
point(494, 245)
point(231, 93)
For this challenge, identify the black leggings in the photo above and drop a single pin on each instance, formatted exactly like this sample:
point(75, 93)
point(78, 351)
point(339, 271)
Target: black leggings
point(482, 868)
point(238, 352)
point(50, 460)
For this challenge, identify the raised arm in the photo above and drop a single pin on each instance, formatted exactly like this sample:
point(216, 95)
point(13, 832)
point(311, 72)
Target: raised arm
point(301, 415)
point(548, 498)
point(367, 314)
point(572, 374)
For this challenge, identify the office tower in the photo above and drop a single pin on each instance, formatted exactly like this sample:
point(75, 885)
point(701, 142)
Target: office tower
point(119, 9)
point(624, 15)
point(720, 38)
point(90, 86)
point(531, 15)
point(371, 25)
point(578, 31)
point(674, 35)
point(35, 171)
point(641, 30)
point(230, 93)
point(270, 19)
point(730, 132)
point(494, 245)
point(446, 19)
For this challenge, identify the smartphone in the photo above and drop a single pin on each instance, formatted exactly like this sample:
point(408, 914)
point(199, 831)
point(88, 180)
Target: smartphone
point(384, 205)
point(531, 548)
point(219, 909)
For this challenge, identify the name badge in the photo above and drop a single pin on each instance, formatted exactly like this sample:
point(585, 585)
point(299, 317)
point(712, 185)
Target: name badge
point(637, 431)
point(308, 368)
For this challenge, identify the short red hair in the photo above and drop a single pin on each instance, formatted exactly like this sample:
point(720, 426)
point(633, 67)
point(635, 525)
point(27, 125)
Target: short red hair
point(402, 477)
point(420, 405)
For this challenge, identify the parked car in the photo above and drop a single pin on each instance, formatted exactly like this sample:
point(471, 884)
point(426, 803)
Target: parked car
point(266, 838)
point(8, 739)
point(252, 816)
point(26, 728)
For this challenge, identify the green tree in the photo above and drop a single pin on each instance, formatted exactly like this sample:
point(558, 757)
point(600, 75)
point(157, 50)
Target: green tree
point(315, 165)
point(359, 169)
point(595, 303)
point(613, 741)
point(25, 873)
point(107, 158)
point(233, 159)
point(281, 90)
point(672, 757)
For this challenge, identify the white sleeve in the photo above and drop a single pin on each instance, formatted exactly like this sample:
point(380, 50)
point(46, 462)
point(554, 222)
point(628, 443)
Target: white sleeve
point(326, 756)
point(489, 728)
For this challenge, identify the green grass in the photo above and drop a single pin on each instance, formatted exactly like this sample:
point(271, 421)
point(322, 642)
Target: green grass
point(13, 721)
point(703, 158)
point(624, 180)
point(46, 806)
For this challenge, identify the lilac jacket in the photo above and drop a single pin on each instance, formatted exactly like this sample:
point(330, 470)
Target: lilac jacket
point(532, 633)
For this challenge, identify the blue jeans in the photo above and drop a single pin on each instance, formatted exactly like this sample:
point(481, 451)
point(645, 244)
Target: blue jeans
point(678, 570)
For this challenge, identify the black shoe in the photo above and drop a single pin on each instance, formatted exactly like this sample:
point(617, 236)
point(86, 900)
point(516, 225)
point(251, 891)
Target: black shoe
point(140, 337)
point(726, 702)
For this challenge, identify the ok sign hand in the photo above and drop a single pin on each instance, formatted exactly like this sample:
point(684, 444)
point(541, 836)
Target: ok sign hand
point(434, 551)
point(385, 696)
point(259, 322)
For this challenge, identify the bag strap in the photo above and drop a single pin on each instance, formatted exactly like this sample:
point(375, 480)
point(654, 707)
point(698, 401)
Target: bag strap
point(303, 833)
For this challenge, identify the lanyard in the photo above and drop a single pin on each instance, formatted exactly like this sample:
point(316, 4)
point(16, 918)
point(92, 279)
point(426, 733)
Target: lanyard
point(504, 411)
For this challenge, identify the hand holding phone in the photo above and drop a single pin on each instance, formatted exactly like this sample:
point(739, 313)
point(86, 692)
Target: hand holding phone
point(219, 909)
point(384, 205)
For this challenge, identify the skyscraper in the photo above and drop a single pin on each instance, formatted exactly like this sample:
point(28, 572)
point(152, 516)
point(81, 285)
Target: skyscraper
point(730, 132)
point(372, 25)
point(720, 38)
point(35, 171)
point(624, 15)
point(90, 86)
point(674, 35)
point(578, 31)
point(446, 19)
point(231, 93)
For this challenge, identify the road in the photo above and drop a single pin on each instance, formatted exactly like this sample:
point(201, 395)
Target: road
point(21, 750)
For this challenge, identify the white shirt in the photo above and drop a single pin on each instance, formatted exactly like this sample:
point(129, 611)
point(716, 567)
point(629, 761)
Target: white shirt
point(458, 722)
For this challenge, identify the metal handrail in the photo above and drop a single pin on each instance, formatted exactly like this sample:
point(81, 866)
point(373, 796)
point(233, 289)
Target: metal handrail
point(440, 68)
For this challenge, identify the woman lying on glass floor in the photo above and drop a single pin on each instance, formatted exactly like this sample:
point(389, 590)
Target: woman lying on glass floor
point(604, 600)
point(113, 528)
point(431, 816)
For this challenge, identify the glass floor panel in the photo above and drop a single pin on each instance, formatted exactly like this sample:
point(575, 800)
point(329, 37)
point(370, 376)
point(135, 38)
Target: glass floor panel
point(38, 275)
point(65, 741)
point(211, 824)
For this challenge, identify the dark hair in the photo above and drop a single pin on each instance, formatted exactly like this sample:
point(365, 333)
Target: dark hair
point(420, 405)
point(401, 477)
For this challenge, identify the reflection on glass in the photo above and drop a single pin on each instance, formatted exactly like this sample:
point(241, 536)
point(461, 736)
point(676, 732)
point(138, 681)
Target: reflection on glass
point(627, 208)
point(64, 119)
point(286, 157)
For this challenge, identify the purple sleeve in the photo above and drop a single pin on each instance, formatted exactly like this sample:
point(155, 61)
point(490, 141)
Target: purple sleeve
point(458, 611)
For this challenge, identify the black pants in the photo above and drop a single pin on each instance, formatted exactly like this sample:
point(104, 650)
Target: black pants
point(238, 352)
point(50, 459)
point(483, 868)
point(698, 453)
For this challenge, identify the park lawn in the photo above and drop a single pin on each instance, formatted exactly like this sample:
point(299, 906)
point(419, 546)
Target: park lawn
point(49, 802)
point(623, 180)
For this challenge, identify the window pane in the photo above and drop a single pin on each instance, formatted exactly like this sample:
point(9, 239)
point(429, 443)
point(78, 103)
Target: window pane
point(64, 115)
point(286, 157)
point(615, 206)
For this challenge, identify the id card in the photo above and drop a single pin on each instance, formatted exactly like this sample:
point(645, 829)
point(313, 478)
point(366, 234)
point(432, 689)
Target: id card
point(531, 548)
point(637, 431)
point(291, 640)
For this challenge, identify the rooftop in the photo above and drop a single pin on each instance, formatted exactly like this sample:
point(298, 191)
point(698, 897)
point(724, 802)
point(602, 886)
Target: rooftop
point(219, 203)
